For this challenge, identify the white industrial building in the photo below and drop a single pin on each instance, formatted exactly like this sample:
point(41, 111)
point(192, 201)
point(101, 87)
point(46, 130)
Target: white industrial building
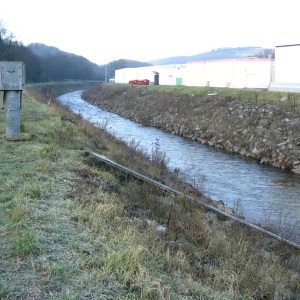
point(281, 74)
point(233, 73)
point(286, 76)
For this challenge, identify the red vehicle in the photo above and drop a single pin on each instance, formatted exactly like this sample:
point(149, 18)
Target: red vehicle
point(140, 81)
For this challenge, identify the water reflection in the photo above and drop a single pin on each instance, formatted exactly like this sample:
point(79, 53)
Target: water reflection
point(263, 191)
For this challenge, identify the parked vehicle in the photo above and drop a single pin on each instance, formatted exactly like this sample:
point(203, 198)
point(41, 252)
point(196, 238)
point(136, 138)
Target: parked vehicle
point(140, 81)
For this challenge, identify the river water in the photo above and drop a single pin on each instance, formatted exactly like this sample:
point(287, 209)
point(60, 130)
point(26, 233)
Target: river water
point(264, 193)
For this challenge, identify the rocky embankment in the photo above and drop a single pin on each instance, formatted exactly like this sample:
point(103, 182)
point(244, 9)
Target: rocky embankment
point(266, 130)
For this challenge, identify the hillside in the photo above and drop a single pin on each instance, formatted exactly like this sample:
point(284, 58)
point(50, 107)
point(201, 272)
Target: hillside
point(121, 64)
point(42, 50)
point(57, 65)
point(220, 53)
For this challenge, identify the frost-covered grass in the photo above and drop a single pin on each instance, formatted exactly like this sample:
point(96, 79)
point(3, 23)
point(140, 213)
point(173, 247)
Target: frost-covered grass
point(73, 228)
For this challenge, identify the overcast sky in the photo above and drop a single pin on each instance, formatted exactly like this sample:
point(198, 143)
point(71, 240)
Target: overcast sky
point(103, 31)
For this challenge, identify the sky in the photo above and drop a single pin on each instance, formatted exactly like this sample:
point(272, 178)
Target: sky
point(104, 31)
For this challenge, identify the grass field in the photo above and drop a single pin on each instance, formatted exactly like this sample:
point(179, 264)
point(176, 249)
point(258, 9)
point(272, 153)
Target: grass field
point(72, 228)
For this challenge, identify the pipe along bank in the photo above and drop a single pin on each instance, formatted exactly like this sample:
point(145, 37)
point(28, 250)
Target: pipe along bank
point(209, 207)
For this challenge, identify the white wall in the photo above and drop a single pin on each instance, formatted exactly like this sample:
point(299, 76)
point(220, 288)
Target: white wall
point(287, 67)
point(234, 73)
point(124, 75)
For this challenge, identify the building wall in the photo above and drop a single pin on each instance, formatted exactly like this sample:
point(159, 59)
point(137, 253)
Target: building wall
point(234, 73)
point(124, 75)
point(168, 74)
point(287, 66)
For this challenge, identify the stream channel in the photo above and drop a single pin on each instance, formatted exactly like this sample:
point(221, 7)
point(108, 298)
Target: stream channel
point(264, 194)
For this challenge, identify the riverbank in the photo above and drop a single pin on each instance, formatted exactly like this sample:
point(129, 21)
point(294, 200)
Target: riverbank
point(261, 125)
point(72, 228)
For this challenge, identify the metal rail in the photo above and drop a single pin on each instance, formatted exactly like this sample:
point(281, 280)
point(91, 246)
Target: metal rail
point(209, 207)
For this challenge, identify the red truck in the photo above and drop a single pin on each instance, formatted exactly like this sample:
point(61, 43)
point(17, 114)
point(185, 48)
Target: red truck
point(140, 81)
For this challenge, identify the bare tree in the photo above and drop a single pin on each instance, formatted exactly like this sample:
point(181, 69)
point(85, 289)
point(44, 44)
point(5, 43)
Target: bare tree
point(7, 40)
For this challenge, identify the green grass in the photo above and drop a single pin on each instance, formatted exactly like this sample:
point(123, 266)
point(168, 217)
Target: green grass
point(73, 228)
point(256, 95)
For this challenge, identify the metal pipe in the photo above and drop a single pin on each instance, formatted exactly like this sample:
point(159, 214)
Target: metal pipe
point(209, 207)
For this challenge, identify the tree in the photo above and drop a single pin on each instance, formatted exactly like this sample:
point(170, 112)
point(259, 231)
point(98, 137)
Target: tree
point(266, 53)
point(7, 40)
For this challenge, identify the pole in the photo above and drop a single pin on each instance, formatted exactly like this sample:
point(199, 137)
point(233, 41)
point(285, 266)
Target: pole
point(12, 112)
point(12, 79)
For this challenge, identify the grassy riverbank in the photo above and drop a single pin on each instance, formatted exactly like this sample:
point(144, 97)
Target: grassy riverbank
point(72, 228)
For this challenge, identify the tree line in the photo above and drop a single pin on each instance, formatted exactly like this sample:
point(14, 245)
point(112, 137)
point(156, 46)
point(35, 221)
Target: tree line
point(56, 66)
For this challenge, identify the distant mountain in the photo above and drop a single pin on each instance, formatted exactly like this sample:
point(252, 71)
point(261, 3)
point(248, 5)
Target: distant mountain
point(42, 50)
point(220, 53)
point(127, 63)
point(112, 66)
point(57, 65)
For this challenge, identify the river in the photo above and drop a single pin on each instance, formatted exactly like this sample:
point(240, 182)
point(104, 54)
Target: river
point(263, 193)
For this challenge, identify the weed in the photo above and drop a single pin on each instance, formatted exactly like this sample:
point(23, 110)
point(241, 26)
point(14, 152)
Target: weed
point(43, 165)
point(3, 291)
point(25, 243)
point(50, 151)
point(20, 211)
point(32, 190)
point(158, 156)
